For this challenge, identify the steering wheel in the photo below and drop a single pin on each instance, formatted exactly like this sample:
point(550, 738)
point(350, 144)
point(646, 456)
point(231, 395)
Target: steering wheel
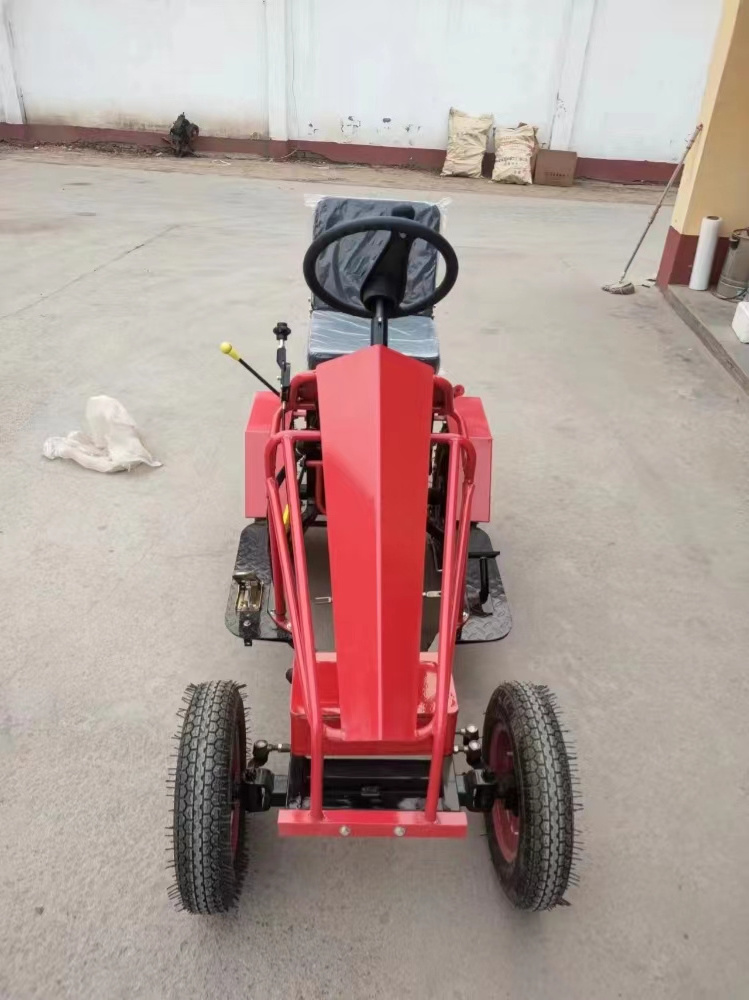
point(385, 223)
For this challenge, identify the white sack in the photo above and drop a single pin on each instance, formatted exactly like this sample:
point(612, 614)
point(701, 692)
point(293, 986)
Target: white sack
point(112, 445)
point(514, 149)
point(466, 143)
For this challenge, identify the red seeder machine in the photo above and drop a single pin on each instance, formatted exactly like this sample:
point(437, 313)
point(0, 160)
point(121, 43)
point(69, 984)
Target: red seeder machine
point(366, 478)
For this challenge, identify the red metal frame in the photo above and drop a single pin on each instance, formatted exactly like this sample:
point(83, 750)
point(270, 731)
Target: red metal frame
point(370, 823)
point(330, 708)
point(377, 409)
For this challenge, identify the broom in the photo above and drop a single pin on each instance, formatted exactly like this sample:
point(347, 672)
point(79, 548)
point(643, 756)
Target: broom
point(622, 286)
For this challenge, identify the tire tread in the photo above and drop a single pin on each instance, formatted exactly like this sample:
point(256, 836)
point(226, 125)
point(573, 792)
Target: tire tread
point(208, 879)
point(543, 869)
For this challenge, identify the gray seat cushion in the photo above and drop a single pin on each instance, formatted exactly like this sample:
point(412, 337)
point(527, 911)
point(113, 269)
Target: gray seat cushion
point(333, 334)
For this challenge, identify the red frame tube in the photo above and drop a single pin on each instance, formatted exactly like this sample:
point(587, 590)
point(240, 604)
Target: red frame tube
point(291, 590)
point(453, 571)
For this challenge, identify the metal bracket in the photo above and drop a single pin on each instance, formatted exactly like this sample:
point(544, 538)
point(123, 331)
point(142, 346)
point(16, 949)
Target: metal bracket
point(480, 788)
point(249, 602)
point(479, 794)
point(257, 789)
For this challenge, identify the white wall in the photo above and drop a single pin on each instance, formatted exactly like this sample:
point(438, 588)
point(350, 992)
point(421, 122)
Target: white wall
point(354, 64)
point(605, 77)
point(11, 109)
point(139, 63)
point(644, 75)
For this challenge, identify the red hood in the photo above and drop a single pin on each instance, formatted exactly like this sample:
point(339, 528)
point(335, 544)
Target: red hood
point(376, 421)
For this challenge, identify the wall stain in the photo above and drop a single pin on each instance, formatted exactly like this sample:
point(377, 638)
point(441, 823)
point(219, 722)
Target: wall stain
point(350, 127)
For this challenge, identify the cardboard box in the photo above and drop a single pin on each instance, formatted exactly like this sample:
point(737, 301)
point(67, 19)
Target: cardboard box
point(555, 167)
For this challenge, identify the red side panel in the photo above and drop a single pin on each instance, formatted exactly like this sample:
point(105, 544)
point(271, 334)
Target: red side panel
point(471, 409)
point(257, 432)
point(375, 420)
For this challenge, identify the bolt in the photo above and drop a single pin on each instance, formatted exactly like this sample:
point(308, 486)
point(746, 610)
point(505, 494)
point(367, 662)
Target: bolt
point(345, 831)
point(470, 733)
point(473, 753)
point(400, 831)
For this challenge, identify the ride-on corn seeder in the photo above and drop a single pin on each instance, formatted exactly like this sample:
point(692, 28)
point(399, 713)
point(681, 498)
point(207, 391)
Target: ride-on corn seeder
point(366, 478)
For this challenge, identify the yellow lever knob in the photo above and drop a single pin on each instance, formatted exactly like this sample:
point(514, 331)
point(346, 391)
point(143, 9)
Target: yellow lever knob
point(231, 351)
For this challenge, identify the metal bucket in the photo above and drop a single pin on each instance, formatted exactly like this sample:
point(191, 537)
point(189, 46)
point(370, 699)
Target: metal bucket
point(734, 278)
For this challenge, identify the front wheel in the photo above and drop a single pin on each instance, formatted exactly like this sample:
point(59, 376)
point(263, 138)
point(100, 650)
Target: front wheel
point(208, 810)
point(531, 828)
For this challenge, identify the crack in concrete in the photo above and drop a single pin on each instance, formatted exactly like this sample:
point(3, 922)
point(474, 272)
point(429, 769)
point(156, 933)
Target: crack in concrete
point(86, 274)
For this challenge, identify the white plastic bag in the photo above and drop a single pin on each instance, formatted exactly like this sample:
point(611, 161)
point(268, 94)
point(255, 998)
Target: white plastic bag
point(113, 444)
point(514, 154)
point(466, 143)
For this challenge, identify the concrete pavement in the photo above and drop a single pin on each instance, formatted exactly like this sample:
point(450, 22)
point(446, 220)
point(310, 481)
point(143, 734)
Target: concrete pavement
point(620, 505)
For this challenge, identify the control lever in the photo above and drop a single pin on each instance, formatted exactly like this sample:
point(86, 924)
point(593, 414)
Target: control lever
point(226, 348)
point(283, 333)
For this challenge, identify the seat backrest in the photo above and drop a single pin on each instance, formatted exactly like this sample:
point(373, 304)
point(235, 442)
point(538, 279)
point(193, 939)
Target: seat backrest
point(344, 265)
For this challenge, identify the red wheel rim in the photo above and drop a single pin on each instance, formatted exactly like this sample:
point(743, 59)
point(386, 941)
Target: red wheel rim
point(506, 823)
point(236, 805)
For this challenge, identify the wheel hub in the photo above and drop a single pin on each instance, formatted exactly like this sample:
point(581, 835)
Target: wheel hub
point(506, 810)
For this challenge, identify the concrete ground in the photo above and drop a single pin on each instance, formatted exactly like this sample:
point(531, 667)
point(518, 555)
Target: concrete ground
point(620, 503)
point(711, 319)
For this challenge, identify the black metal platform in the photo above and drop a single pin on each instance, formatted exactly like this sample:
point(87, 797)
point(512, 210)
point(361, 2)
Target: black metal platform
point(251, 591)
point(492, 619)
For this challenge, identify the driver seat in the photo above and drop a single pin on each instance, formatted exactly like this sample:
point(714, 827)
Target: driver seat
point(343, 268)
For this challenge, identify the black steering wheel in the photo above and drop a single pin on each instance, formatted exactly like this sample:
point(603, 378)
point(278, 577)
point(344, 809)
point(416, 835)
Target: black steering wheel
point(385, 223)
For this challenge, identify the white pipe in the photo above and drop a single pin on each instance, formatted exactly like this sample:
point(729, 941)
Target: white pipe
point(703, 258)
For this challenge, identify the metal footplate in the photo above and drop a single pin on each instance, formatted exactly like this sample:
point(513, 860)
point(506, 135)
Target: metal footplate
point(251, 591)
point(486, 601)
